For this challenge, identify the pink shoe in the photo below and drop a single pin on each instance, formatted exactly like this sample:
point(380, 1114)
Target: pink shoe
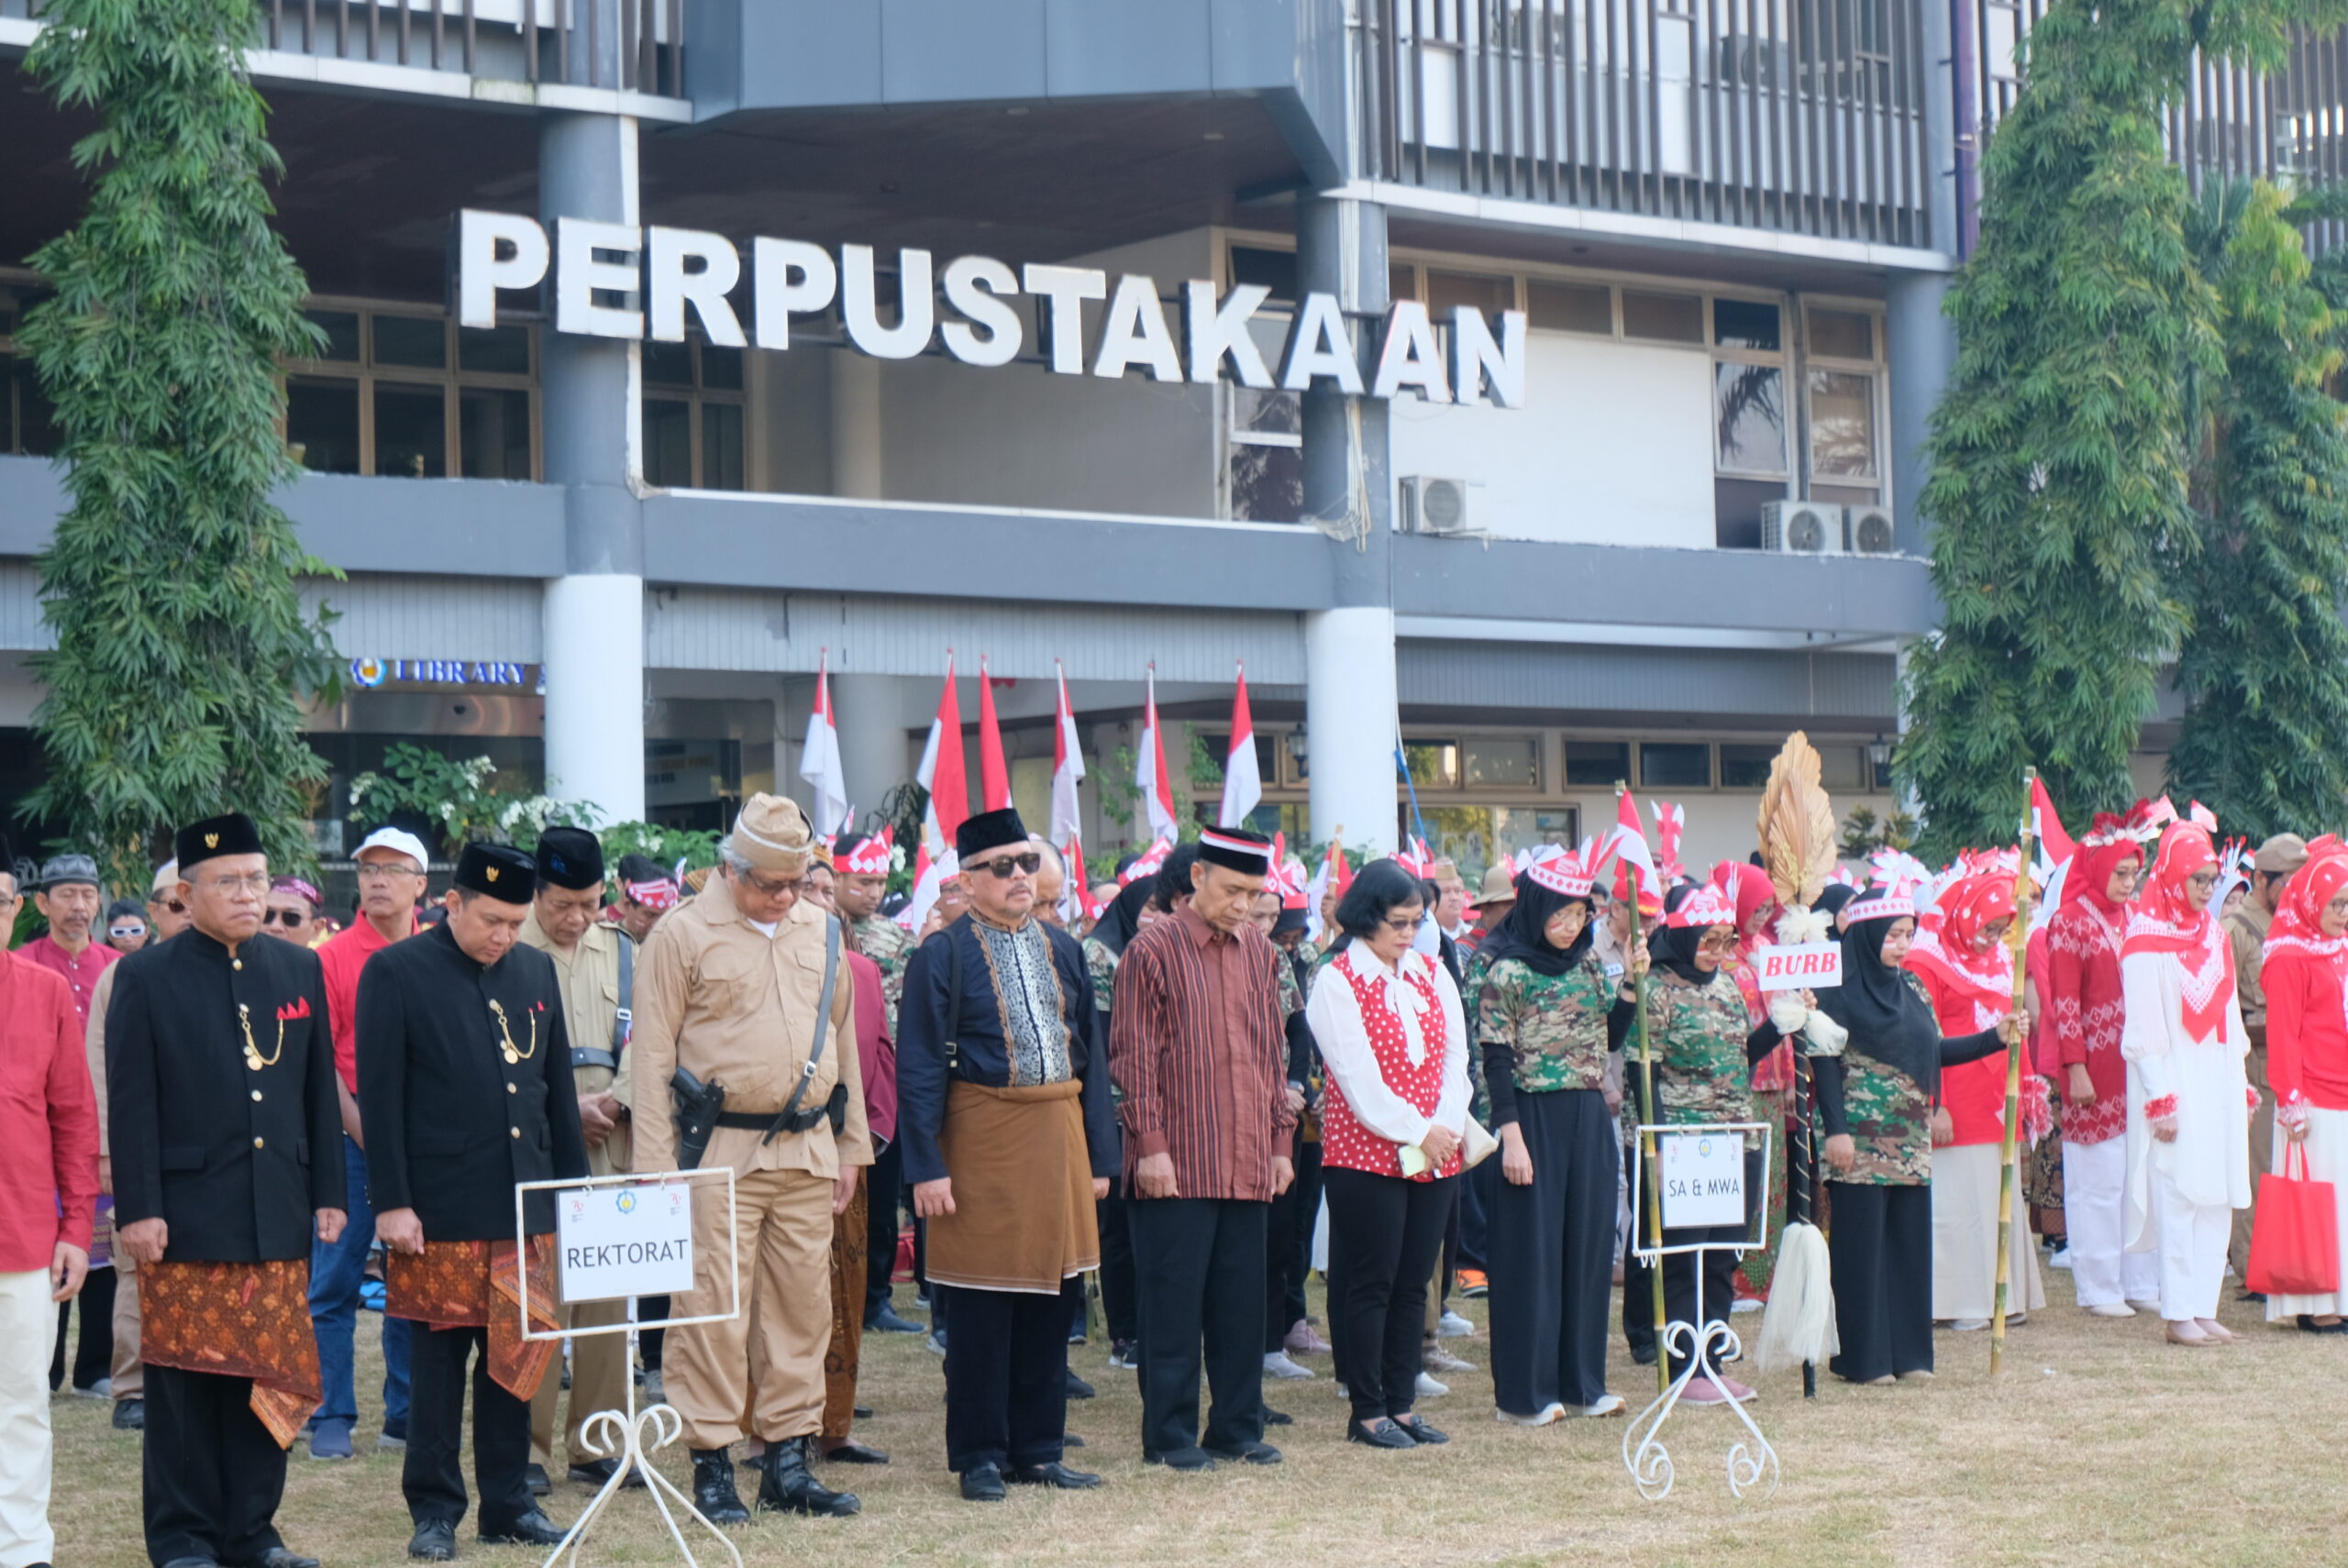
point(1702, 1391)
point(1303, 1340)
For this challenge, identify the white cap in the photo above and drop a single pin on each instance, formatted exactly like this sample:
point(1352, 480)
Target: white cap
point(397, 841)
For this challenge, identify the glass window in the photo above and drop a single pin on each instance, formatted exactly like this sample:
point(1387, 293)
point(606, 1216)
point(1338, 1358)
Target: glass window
point(421, 341)
point(342, 327)
point(667, 442)
point(1749, 417)
point(1259, 412)
point(1675, 765)
point(411, 436)
point(1736, 510)
point(322, 424)
point(1841, 424)
point(1570, 307)
point(36, 432)
point(1504, 762)
point(1842, 335)
point(492, 433)
point(1529, 827)
point(1666, 318)
point(1266, 483)
point(1745, 324)
point(1275, 270)
point(1434, 764)
point(721, 367)
point(1218, 744)
point(498, 350)
point(1402, 282)
point(1839, 767)
point(1598, 764)
point(1485, 295)
point(1745, 765)
point(668, 364)
point(720, 445)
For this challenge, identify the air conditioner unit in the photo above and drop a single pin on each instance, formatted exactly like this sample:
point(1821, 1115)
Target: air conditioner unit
point(1871, 532)
point(1802, 528)
point(1434, 505)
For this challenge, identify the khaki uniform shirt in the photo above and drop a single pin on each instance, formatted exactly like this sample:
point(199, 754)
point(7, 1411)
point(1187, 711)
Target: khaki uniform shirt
point(2246, 929)
point(719, 998)
point(590, 976)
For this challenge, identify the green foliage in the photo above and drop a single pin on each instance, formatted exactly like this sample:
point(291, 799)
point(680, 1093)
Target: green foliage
point(183, 647)
point(464, 800)
point(695, 846)
point(1864, 832)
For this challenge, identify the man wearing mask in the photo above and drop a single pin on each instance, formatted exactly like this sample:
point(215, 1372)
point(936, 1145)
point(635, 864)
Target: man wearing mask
point(861, 866)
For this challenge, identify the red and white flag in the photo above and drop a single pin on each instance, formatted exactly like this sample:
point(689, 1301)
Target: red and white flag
point(1243, 782)
point(1068, 772)
point(2046, 827)
point(941, 774)
point(2202, 816)
point(1628, 844)
point(1334, 874)
point(1149, 767)
point(1076, 897)
point(994, 777)
point(819, 762)
point(1670, 819)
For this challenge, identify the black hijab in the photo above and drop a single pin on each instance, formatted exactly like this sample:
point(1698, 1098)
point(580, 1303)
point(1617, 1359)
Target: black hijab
point(1122, 921)
point(1674, 946)
point(1522, 933)
point(1887, 1020)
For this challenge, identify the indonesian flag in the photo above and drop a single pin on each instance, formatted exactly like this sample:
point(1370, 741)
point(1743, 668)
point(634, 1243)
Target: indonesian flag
point(941, 774)
point(819, 763)
point(1149, 767)
point(1628, 844)
point(1076, 896)
point(2046, 827)
point(1243, 784)
point(2202, 816)
point(1068, 772)
point(1334, 874)
point(1668, 821)
point(994, 777)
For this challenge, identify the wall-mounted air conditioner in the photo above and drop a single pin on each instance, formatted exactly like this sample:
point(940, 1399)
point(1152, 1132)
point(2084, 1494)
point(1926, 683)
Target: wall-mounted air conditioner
point(1802, 528)
point(1871, 532)
point(1434, 505)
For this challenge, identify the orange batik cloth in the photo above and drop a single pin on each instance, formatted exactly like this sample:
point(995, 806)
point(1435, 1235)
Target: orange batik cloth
point(475, 1285)
point(237, 1319)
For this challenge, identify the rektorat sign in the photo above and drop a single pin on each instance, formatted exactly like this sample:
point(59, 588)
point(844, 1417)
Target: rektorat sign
point(665, 270)
point(615, 1242)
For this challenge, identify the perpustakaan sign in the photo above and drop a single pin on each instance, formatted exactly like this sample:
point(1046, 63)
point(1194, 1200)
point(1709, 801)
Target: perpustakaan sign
point(672, 269)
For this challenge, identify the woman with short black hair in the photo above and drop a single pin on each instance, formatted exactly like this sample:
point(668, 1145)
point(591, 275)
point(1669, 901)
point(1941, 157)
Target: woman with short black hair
point(1394, 1045)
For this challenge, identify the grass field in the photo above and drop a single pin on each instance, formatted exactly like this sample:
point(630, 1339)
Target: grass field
point(2098, 1445)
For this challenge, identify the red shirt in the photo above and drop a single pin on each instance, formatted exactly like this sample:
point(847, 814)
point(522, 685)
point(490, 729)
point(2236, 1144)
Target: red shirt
point(2307, 1027)
point(342, 957)
point(2085, 1007)
point(80, 971)
point(876, 1053)
point(49, 1119)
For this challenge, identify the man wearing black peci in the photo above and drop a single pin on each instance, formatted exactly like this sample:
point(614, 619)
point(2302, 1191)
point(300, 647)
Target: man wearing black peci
point(465, 1089)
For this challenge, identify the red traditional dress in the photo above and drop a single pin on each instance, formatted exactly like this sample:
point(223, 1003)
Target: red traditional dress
point(2305, 978)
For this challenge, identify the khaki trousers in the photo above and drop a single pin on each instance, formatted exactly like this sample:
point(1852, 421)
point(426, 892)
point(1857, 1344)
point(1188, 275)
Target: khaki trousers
point(599, 1374)
point(28, 1332)
point(760, 1375)
point(2261, 1160)
point(130, 1372)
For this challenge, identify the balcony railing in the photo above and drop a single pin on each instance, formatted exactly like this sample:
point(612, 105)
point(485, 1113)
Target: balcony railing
point(1799, 116)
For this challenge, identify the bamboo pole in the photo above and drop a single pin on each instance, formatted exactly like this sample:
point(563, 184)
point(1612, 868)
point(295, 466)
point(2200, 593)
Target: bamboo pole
point(2009, 1161)
point(1646, 1139)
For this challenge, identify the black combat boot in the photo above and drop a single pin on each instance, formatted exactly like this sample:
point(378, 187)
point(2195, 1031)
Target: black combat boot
point(713, 1492)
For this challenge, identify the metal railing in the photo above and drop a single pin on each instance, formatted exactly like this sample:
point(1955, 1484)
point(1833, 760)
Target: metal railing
point(1799, 115)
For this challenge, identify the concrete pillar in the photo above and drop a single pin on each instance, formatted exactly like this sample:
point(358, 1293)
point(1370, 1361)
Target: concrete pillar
point(856, 425)
point(875, 754)
point(1350, 714)
point(1923, 350)
point(591, 418)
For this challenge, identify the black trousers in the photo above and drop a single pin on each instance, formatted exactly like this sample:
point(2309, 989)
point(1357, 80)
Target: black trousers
point(1683, 1273)
point(1384, 1235)
point(214, 1475)
point(1298, 1270)
point(1881, 1248)
point(1552, 1255)
point(1479, 1189)
point(1006, 1378)
point(1281, 1222)
point(433, 1478)
point(1198, 1269)
point(884, 1190)
point(648, 1341)
point(1117, 1265)
point(94, 1356)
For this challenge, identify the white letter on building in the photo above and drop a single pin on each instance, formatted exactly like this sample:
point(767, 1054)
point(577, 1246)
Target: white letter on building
point(1318, 346)
point(481, 272)
point(991, 332)
point(1477, 360)
point(1213, 333)
point(1066, 288)
point(779, 295)
point(1133, 332)
point(1408, 356)
point(668, 286)
point(578, 277)
point(916, 303)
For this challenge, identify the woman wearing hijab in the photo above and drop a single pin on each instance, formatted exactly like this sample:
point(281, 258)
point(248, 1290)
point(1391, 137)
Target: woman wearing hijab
point(1875, 1102)
point(1967, 970)
point(1749, 889)
point(1119, 924)
point(2189, 1098)
point(1541, 1019)
point(2305, 978)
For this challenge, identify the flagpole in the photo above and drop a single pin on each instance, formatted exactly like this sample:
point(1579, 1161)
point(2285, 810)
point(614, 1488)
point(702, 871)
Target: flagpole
point(2018, 943)
point(1646, 1136)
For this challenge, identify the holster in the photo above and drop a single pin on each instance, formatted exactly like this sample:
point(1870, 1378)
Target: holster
point(698, 1107)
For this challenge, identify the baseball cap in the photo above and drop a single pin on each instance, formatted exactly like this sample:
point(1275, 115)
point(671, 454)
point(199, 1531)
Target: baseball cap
point(397, 841)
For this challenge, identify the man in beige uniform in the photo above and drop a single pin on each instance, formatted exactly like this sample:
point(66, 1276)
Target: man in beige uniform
point(167, 916)
point(562, 924)
point(729, 989)
point(2246, 927)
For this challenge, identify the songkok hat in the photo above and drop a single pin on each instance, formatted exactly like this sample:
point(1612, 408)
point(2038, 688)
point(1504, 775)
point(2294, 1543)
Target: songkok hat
point(1237, 849)
point(497, 871)
point(863, 855)
point(989, 829)
point(570, 857)
point(61, 870)
point(772, 833)
point(2278, 856)
point(167, 876)
point(232, 834)
point(399, 841)
point(1499, 885)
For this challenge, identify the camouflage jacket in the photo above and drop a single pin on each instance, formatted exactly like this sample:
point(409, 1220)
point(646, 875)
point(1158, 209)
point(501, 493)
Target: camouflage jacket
point(1890, 1119)
point(890, 946)
point(1698, 1036)
point(1555, 1025)
point(1102, 964)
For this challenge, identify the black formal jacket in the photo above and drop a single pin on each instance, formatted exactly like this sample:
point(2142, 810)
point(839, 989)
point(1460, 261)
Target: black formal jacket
point(235, 1162)
point(452, 1126)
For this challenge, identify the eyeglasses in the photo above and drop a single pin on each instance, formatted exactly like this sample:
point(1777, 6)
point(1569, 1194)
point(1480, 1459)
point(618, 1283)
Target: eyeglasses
point(1009, 866)
point(764, 888)
point(1406, 927)
point(257, 884)
point(1716, 944)
point(2202, 879)
point(290, 919)
point(384, 871)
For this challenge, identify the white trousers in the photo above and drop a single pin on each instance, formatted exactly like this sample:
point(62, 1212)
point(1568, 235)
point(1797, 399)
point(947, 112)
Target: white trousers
point(2190, 1248)
point(28, 1336)
point(2095, 1217)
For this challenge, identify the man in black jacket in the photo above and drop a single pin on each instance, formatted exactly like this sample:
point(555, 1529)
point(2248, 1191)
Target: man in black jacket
point(465, 1089)
point(222, 1120)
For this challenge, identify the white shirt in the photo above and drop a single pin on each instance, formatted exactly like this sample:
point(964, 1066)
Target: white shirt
point(1335, 1017)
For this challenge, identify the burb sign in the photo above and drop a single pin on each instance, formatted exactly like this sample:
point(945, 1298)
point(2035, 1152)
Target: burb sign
point(616, 1242)
point(1799, 966)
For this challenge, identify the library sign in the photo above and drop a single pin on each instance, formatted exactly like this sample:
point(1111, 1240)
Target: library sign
point(597, 268)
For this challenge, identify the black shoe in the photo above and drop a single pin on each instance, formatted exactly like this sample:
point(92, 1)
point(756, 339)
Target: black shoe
point(535, 1475)
point(1383, 1434)
point(1078, 1388)
point(983, 1483)
point(533, 1528)
point(278, 1557)
point(861, 1412)
point(788, 1486)
point(713, 1492)
point(1249, 1453)
point(2252, 1295)
point(434, 1540)
point(854, 1452)
point(1193, 1459)
point(180, 1563)
point(130, 1415)
point(1054, 1474)
point(1069, 1439)
point(1643, 1354)
point(886, 1322)
point(1278, 1418)
point(596, 1472)
point(1422, 1433)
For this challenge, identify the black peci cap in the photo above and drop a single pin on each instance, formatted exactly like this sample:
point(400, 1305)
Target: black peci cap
point(497, 871)
point(231, 835)
point(570, 857)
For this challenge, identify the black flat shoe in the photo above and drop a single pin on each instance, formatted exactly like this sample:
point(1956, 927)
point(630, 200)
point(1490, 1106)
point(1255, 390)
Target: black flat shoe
point(1278, 1418)
point(1249, 1453)
point(533, 1528)
point(131, 1415)
point(1054, 1474)
point(596, 1472)
point(1078, 1388)
point(852, 1453)
point(886, 1322)
point(1190, 1459)
point(1422, 1433)
point(1643, 1354)
point(983, 1483)
point(278, 1557)
point(1069, 1439)
point(861, 1412)
point(1384, 1434)
point(434, 1540)
point(535, 1475)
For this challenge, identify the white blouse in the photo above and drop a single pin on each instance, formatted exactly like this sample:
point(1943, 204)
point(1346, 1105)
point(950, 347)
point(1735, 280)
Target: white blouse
point(1338, 1032)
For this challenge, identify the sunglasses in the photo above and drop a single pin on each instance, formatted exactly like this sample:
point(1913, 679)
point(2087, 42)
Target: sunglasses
point(173, 905)
point(287, 918)
point(125, 931)
point(1010, 865)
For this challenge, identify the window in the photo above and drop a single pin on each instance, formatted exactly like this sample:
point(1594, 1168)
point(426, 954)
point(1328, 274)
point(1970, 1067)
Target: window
point(692, 415)
point(1666, 318)
point(407, 394)
point(1570, 307)
point(1504, 762)
point(322, 424)
point(1275, 270)
point(1842, 426)
point(28, 422)
point(1434, 764)
point(1675, 765)
point(1842, 335)
point(1267, 461)
point(1597, 764)
point(1749, 417)
point(1843, 395)
point(1486, 296)
point(1218, 744)
point(1745, 765)
point(1745, 324)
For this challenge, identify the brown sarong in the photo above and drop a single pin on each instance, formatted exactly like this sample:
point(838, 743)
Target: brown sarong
point(843, 1356)
point(1023, 1214)
point(475, 1285)
point(237, 1319)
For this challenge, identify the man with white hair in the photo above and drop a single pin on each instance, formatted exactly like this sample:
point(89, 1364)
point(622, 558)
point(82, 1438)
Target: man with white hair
point(1051, 882)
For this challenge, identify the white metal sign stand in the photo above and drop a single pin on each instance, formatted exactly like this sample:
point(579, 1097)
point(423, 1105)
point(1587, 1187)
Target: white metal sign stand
point(630, 1435)
point(1694, 1175)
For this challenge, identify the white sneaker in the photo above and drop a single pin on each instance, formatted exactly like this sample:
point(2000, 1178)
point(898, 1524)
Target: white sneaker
point(1552, 1414)
point(2143, 1306)
point(1606, 1404)
point(2059, 1258)
point(1970, 1325)
point(1277, 1364)
point(1429, 1389)
point(1746, 1304)
point(1451, 1326)
point(2113, 1309)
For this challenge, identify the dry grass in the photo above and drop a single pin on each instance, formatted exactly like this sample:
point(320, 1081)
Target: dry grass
point(2098, 1445)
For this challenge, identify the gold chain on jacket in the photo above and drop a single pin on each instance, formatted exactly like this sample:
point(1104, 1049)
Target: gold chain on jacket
point(513, 1053)
point(254, 1060)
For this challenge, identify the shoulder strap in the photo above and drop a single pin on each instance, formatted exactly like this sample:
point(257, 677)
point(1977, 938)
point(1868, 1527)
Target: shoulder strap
point(625, 1020)
point(953, 1000)
point(822, 1024)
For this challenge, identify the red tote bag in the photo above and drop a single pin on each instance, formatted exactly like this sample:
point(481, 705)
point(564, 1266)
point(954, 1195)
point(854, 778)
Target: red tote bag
point(2294, 1243)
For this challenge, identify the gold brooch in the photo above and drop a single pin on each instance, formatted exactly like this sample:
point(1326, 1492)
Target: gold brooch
point(515, 1055)
point(254, 1060)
